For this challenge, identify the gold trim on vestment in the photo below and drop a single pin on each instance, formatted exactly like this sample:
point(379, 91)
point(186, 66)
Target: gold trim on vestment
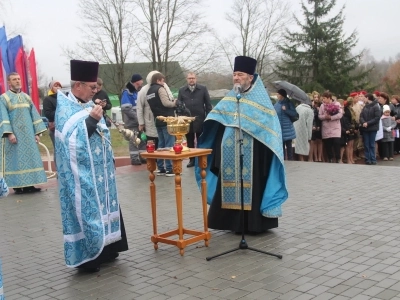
point(24, 171)
point(233, 184)
point(21, 105)
point(12, 107)
point(251, 120)
point(4, 122)
point(235, 206)
point(22, 186)
point(252, 103)
point(41, 131)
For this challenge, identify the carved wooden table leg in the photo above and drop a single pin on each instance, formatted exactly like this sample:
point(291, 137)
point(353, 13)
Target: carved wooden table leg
point(177, 169)
point(151, 166)
point(203, 166)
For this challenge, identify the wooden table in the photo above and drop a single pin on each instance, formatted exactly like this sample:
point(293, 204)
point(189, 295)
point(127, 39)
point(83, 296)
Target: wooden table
point(182, 242)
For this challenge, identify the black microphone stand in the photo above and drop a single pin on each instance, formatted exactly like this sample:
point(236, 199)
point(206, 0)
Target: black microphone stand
point(243, 244)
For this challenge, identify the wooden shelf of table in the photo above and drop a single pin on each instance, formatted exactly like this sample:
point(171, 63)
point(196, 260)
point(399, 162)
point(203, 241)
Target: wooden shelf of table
point(196, 236)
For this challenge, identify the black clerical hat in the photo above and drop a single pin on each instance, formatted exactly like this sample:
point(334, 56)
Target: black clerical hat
point(86, 71)
point(245, 64)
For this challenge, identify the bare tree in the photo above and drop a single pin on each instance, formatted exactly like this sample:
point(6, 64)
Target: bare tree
point(259, 25)
point(109, 36)
point(172, 30)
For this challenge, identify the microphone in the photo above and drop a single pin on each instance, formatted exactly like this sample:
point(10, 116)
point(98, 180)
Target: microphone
point(238, 90)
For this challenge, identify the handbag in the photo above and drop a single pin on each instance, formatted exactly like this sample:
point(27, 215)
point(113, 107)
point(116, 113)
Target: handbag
point(379, 133)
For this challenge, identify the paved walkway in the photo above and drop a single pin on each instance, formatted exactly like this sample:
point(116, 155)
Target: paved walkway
point(339, 238)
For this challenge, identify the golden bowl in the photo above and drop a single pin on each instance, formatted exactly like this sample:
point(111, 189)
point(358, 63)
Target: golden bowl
point(178, 129)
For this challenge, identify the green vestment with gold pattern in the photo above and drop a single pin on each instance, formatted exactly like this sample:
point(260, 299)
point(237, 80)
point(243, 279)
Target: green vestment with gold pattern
point(21, 163)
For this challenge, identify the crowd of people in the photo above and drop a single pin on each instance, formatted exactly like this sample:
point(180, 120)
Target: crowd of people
point(364, 126)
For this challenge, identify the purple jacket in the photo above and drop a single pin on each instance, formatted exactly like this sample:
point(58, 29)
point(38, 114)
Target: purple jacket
point(330, 128)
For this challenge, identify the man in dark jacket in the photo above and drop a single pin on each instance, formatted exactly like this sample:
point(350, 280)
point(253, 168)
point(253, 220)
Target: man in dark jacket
point(128, 109)
point(101, 98)
point(369, 122)
point(197, 100)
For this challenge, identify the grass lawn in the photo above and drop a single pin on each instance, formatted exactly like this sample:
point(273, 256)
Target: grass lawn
point(119, 144)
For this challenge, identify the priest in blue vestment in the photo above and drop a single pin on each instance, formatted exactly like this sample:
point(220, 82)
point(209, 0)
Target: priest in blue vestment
point(93, 227)
point(264, 177)
point(20, 126)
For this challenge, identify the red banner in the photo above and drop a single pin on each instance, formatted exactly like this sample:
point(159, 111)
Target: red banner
point(34, 82)
point(20, 67)
point(3, 81)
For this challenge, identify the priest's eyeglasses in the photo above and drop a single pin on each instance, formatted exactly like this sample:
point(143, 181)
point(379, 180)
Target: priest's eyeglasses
point(92, 87)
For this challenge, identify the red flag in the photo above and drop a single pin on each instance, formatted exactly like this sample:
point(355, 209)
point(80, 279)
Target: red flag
point(3, 80)
point(20, 67)
point(34, 82)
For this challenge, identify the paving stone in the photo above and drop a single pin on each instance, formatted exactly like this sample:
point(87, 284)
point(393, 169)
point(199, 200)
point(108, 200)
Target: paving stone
point(333, 247)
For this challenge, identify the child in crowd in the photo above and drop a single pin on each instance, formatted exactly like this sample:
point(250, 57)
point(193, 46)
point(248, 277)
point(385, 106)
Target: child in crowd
point(388, 125)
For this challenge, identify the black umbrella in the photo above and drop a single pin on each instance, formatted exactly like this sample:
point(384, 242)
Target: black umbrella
point(293, 91)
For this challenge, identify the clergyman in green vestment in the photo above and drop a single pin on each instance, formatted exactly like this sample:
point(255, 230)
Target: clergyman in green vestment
point(20, 127)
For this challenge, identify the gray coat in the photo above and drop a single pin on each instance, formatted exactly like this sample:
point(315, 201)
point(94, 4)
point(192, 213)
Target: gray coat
point(388, 135)
point(199, 104)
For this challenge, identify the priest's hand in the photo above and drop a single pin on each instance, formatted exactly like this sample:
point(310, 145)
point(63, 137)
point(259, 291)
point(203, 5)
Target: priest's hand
point(97, 112)
point(37, 138)
point(12, 138)
point(102, 103)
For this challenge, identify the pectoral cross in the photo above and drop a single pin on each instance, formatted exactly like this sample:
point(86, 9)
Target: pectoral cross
point(235, 115)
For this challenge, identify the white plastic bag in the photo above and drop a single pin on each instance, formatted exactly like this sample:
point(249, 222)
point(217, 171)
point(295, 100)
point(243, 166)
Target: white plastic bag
point(379, 134)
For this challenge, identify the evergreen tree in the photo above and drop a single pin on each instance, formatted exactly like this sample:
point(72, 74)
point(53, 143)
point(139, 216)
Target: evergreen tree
point(319, 57)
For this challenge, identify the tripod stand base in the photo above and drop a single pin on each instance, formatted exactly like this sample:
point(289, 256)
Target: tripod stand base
point(243, 246)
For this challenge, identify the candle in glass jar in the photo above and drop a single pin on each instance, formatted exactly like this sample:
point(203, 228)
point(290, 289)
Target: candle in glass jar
point(150, 146)
point(178, 148)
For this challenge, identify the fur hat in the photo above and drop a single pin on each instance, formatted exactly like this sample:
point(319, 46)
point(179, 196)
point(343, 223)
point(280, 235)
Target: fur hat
point(386, 108)
point(282, 92)
point(85, 71)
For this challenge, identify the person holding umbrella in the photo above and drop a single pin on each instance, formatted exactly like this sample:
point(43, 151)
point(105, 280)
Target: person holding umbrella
point(285, 110)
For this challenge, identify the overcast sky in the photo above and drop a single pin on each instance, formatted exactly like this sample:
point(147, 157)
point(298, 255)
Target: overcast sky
point(46, 25)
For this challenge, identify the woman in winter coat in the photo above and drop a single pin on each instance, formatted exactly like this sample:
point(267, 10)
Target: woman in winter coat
point(284, 110)
point(369, 126)
point(330, 114)
point(303, 128)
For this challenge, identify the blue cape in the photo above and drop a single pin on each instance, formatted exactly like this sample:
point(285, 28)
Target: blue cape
point(86, 179)
point(259, 120)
